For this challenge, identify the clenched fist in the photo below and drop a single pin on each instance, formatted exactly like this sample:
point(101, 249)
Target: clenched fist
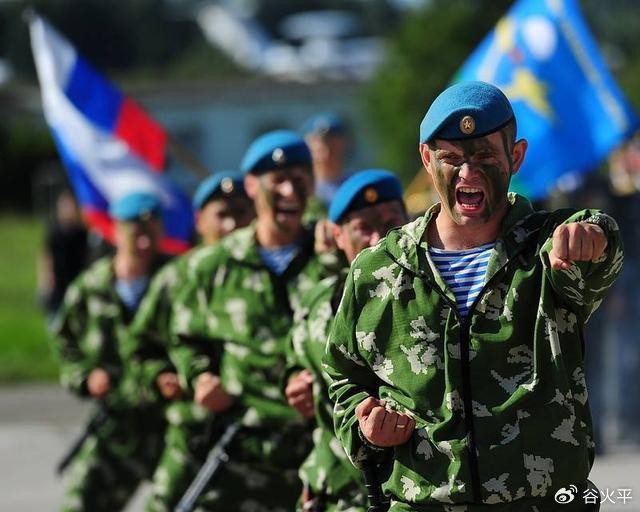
point(169, 385)
point(577, 241)
point(299, 392)
point(324, 241)
point(210, 394)
point(98, 383)
point(381, 426)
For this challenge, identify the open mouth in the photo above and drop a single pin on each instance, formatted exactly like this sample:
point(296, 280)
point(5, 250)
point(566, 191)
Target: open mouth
point(469, 198)
point(288, 210)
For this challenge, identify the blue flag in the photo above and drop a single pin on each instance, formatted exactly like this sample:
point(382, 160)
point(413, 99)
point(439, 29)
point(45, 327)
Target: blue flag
point(567, 105)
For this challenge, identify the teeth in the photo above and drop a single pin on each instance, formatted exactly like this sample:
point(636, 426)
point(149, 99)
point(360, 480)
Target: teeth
point(469, 190)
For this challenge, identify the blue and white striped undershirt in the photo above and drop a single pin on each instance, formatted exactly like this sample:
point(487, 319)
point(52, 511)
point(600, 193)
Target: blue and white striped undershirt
point(463, 271)
point(278, 259)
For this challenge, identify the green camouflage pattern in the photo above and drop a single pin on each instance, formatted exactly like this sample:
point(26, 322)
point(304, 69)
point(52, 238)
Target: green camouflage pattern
point(189, 431)
point(326, 471)
point(507, 380)
point(92, 332)
point(186, 446)
point(233, 300)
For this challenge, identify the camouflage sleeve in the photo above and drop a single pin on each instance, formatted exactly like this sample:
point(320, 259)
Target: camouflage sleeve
point(295, 358)
point(584, 285)
point(351, 379)
point(298, 337)
point(191, 348)
point(70, 329)
point(311, 328)
point(147, 346)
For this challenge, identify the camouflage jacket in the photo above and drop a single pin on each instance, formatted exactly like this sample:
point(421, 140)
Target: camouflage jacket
point(499, 397)
point(151, 335)
point(92, 332)
point(326, 470)
point(231, 297)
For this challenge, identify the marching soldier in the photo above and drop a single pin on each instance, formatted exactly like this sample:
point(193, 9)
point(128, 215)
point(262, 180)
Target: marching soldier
point(242, 294)
point(221, 206)
point(92, 331)
point(364, 208)
point(326, 135)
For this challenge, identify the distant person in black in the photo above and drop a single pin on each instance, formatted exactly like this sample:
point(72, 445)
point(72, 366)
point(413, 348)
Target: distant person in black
point(65, 253)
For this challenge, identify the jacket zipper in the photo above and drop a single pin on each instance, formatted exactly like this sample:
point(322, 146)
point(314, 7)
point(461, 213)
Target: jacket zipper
point(466, 392)
point(466, 379)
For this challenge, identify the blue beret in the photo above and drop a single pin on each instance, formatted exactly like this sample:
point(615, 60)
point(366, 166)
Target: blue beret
point(223, 184)
point(466, 110)
point(362, 189)
point(136, 206)
point(274, 150)
point(323, 123)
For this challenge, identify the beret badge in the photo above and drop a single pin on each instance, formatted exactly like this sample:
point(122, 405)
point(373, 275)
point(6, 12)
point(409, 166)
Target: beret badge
point(278, 156)
point(227, 185)
point(467, 125)
point(371, 195)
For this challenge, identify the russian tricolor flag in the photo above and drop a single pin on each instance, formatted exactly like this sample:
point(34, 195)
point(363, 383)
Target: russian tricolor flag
point(109, 145)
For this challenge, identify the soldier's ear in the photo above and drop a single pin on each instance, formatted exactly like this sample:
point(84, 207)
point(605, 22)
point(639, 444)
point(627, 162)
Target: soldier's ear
point(338, 235)
point(517, 155)
point(425, 156)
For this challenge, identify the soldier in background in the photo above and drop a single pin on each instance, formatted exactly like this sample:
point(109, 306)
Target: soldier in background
point(364, 209)
point(221, 206)
point(326, 135)
point(92, 336)
point(242, 294)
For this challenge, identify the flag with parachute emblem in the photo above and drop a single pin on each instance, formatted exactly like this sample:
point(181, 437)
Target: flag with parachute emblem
point(109, 145)
point(567, 104)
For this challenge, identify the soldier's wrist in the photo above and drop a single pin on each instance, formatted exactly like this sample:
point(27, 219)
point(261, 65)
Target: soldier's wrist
point(368, 444)
point(602, 221)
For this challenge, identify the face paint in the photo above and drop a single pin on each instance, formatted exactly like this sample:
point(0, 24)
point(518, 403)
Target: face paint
point(269, 185)
point(447, 193)
point(507, 149)
point(267, 197)
point(496, 190)
point(364, 227)
point(496, 184)
point(300, 191)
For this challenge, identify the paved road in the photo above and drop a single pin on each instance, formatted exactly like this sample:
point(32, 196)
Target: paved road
point(38, 422)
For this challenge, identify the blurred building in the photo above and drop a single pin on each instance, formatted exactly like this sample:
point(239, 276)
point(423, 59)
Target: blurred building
point(216, 122)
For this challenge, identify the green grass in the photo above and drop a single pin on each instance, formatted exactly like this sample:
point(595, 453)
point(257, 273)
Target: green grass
point(25, 352)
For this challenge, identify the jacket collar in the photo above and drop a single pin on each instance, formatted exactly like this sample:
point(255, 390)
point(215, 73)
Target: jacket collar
point(242, 246)
point(408, 245)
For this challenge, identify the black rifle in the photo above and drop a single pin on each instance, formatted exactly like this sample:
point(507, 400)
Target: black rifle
point(216, 458)
point(378, 502)
point(97, 419)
